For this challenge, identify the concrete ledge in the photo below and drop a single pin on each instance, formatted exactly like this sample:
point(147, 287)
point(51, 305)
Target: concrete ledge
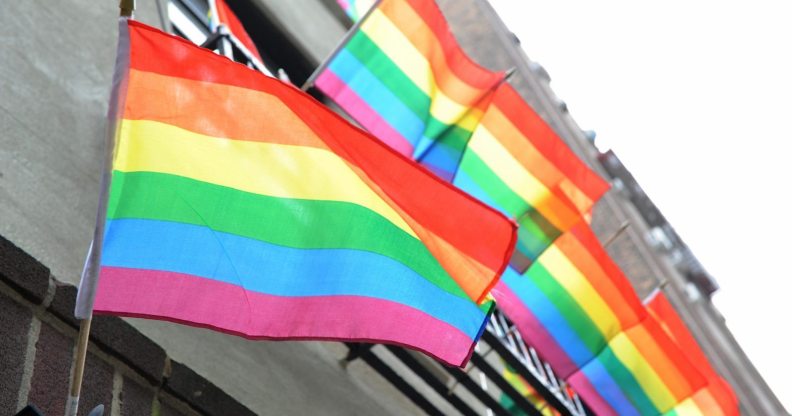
point(115, 335)
point(23, 272)
point(202, 394)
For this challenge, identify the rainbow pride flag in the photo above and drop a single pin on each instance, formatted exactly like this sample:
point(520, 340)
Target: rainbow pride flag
point(225, 16)
point(403, 77)
point(517, 164)
point(640, 372)
point(716, 398)
point(241, 204)
point(571, 301)
point(580, 313)
point(524, 388)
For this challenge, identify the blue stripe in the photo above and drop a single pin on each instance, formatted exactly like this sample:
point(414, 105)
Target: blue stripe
point(371, 90)
point(548, 315)
point(441, 160)
point(276, 270)
point(608, 389)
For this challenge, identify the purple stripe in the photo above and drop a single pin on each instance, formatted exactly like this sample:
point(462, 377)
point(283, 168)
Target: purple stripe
point(335, 88)
point(532, 329)
point(589, 395)
point(229, 308)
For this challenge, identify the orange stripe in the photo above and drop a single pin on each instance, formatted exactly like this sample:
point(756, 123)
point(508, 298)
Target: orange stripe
point(609, 283)
point(469, 70)
point(706, 403)
point(453, 71)
point(520, 147)
point(584, 186)
point(216, 110)
point(660, 362)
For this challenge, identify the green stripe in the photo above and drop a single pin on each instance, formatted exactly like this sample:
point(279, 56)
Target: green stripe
point(535, 233)
point(290, 222)
point(452, 138)
point(627, 382)
point(383, 68)
point(576, 317)
point(489, 182)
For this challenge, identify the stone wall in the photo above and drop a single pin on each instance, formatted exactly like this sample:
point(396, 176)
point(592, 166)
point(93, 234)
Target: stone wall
point(125, 371)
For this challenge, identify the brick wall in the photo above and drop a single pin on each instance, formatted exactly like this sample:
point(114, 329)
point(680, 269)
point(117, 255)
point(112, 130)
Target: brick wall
point(125, 371)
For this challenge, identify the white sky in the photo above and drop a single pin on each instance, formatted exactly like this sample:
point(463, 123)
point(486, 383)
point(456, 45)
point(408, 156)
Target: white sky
point(695, 98)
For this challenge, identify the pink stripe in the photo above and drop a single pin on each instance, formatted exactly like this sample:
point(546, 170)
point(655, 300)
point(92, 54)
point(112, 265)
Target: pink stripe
point(589, 394)
point(335, 88)
point(228, 308)
point(532, 330)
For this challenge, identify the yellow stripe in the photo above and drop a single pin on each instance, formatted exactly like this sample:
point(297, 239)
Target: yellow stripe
point(581, 290)
point(415, 66)
point(278, 170)
point(688, 407)
point(647, 378)
point(520, 180)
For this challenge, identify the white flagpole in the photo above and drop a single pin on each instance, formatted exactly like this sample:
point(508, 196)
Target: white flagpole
point(83, 309)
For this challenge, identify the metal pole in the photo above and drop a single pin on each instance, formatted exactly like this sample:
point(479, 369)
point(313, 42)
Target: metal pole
point(616, 234)
point(347, 36)
point(657, 289)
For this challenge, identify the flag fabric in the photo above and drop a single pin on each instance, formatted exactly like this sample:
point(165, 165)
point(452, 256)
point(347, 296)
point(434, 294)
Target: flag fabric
point(580, 313)
point(571, 301)
point(524, 388)
point(516, 163)
point(241, 204)
point(716, 398)
point(225, 16)
point(403, 77)
point(640, 372)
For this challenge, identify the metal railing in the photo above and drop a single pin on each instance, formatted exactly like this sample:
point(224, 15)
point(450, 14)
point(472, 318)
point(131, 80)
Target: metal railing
point(479, 388)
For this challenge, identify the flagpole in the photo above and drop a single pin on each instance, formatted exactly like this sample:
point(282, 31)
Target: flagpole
point(347, 36)
point(616, 234)
point(126, 9)
point(79, 367)
point(657, 289)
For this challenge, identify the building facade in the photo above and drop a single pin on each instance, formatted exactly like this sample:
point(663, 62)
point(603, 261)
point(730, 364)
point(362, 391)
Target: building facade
point(55, 73)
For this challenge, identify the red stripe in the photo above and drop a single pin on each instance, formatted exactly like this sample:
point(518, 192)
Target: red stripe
point(676, 357)
point(228, 308)
point(227, 17)
point(547, 142)
point(463, 66)
point(721, 391)
point(630, 308)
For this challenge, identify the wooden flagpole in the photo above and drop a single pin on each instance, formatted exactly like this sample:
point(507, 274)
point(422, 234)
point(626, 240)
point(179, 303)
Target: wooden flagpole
point(311, 79)
point(127, 8)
